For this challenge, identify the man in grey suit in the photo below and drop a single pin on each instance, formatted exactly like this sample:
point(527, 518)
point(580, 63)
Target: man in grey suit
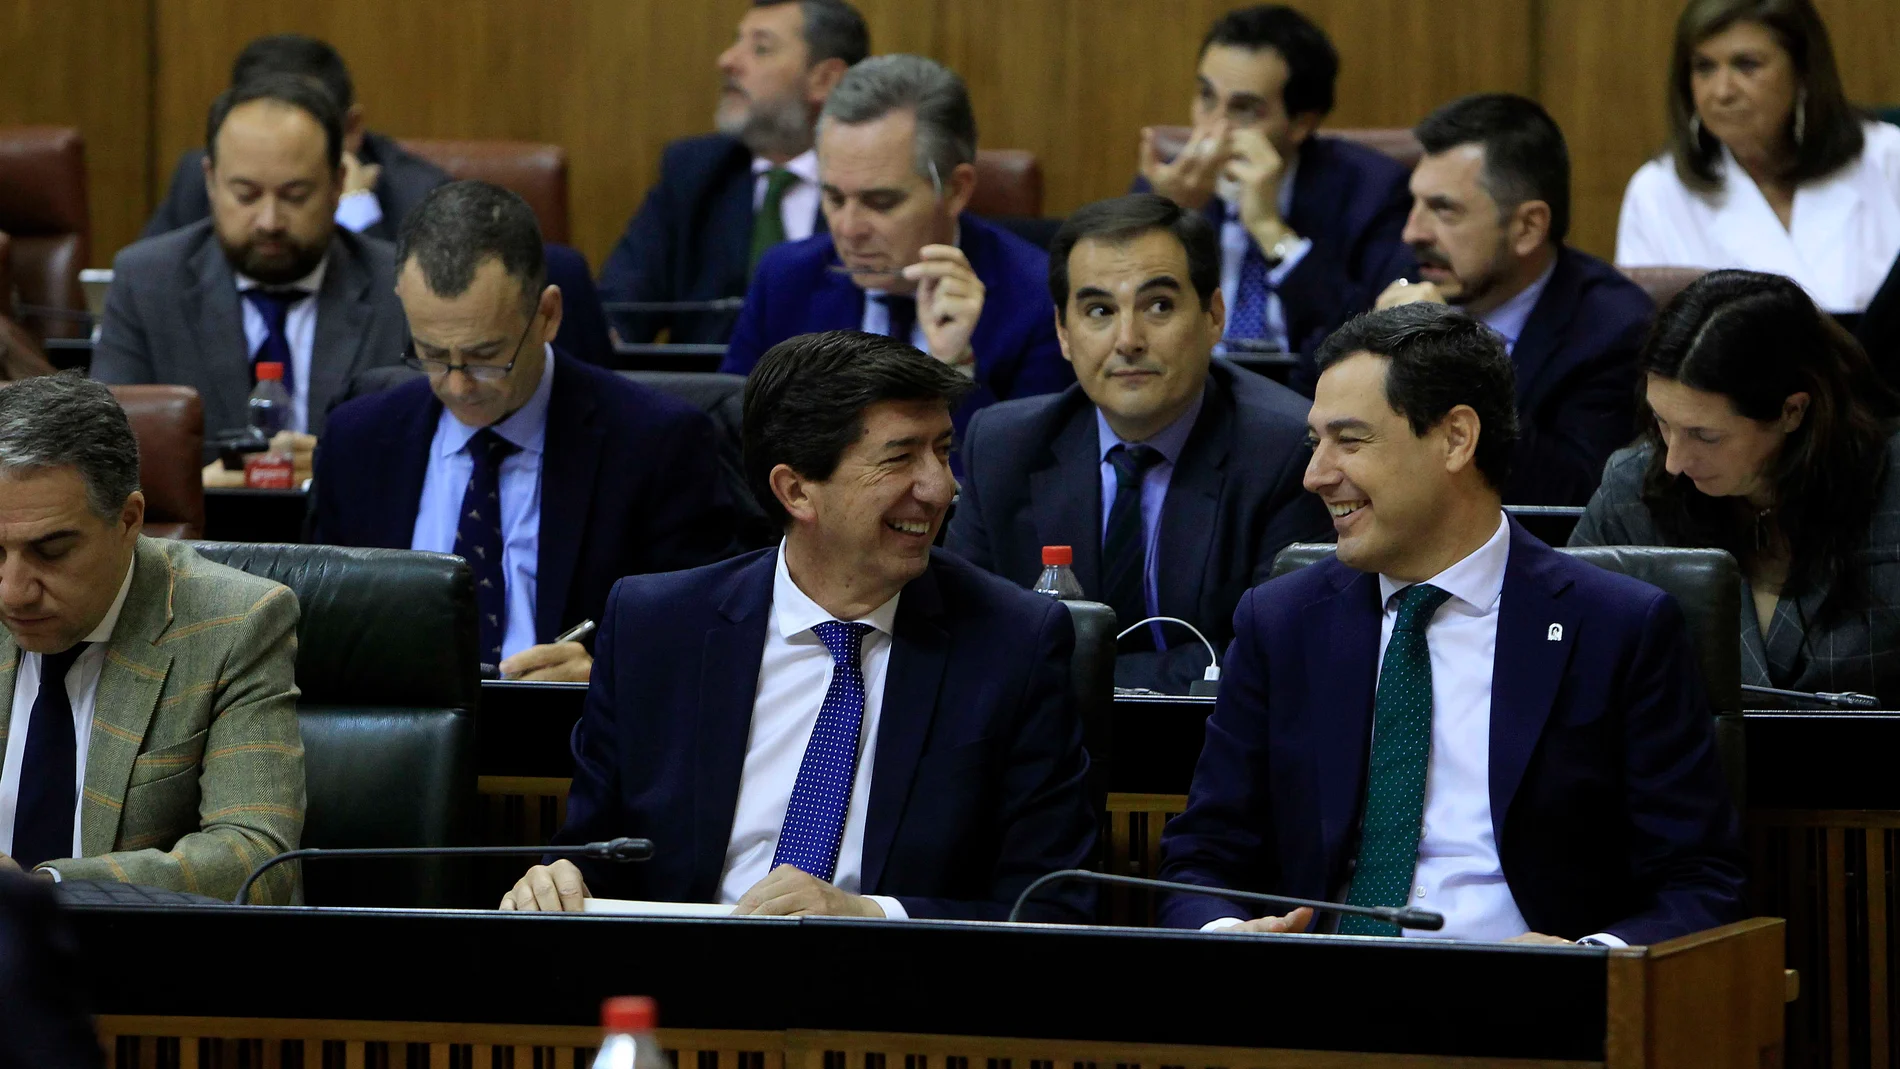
point(269, 277)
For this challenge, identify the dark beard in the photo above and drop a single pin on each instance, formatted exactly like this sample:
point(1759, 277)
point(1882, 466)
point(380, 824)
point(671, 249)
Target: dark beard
point(280, 270)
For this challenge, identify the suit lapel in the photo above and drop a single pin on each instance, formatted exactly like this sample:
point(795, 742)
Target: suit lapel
point(1547, 326)
point(569, 460)
point(1529, 665)
point(1343, 633)
point(210, 309)
point(129, 687)
point(343, 309)
point(838, 302)
point(1065, 495)
point(1193, 501)
point(728, 683)
point(406, 444)
point(920, 649)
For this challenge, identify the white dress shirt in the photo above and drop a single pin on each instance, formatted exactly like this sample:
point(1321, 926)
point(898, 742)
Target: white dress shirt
point(794, 674)
point(300, 330)
point(798, 205)
point(446, 480)
point(1840, 242)
point(357, 212)
point(1235, 239)
point(82, 688)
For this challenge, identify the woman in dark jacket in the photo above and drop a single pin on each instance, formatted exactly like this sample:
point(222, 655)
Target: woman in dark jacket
point(1769, 435)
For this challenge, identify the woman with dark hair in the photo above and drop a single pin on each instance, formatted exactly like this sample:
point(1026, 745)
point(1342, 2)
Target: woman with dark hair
point(1770, 436)
point(1768, 167)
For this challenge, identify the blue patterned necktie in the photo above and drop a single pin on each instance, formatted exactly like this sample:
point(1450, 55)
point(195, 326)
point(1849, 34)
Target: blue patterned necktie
point(49, 774)
point(1395, 780)
point(814, 821)
point(1125, 542)
point(1249, 320)
point(478, 538)
point(274, 306)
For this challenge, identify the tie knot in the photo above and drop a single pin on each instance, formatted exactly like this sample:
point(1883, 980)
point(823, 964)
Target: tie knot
point(274, 301)
point(1417, 603)
point(487, 447)
point(56, 665)
point(1131, 462)
point(777, 180)
point(844, 640)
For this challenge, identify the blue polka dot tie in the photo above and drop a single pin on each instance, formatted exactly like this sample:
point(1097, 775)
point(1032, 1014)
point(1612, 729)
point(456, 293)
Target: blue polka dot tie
point(1395, 781)
point(814, 821)
point(1249, 319)
point(478, 539)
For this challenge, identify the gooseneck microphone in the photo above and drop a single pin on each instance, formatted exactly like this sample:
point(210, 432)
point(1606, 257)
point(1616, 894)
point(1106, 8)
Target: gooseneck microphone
point(1845, 699)
point(622, 849)
point(1404, 916)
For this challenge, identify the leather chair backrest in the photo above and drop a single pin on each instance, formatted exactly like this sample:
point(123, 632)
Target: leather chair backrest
point(43, 207)
point(1008, 184)
point(1397, 142)
point(1663, 283)
point(536, 171)
point(1092, 681)
point(722, 397)
point(386, 660)
point(170, 424)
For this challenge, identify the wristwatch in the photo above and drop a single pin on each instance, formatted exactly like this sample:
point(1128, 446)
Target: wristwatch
point(1282, 249)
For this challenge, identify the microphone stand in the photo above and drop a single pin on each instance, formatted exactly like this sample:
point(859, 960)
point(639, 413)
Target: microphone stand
point(1846, 699)
point(1403, 916)
point(622, 850)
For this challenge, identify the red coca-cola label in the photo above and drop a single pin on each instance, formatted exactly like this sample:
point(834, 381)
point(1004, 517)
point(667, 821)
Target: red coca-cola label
point(267, 471)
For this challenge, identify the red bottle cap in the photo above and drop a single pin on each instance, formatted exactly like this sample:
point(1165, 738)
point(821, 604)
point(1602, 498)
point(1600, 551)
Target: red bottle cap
point(270, 369)
point(628, 1013)
point(1063, 555)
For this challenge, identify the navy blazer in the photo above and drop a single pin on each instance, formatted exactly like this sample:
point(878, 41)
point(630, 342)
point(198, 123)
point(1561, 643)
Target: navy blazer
point(691, 240)
point(406, 178)
point(1352, 202)
point(583, 330)
point(1017, 355)
point(629, 483)
point(1032, 478)
point(977, 788)
point(1577, 377)
point(1607, 803)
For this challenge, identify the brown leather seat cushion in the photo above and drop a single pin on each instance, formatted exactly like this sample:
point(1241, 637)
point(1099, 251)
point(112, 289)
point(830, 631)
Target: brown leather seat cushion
point(535, 171)
point(1008, 183)
point(43, 207)
point(170, 424)
point(1663, 283)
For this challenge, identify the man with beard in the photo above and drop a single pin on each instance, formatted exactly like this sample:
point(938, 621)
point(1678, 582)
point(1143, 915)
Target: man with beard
point(269, 277)
point(723, 199)
point(1490, 205)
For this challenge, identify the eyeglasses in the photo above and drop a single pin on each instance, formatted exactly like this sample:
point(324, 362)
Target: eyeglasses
point(476, 372)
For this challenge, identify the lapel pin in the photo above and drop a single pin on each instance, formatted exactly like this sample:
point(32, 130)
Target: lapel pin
point(1556, 633)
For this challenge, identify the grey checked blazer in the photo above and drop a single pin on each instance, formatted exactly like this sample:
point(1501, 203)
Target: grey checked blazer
point(1860, 653)
point(174, 316)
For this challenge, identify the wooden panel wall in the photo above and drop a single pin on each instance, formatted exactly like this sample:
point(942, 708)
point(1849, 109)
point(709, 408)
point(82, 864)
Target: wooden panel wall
point(1072, 80)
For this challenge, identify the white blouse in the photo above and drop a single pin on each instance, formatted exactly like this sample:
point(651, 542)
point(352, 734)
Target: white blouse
point(1840, 243)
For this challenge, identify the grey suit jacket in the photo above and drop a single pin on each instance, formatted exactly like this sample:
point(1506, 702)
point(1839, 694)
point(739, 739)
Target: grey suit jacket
point(1858, 653)
point(174, 316)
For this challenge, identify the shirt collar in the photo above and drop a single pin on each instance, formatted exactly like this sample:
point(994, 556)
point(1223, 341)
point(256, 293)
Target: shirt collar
point(1477, 580)
point(1169, 441)
point(1509, 318)
point(103, 633)
point(793, 612)
point(804, 165)
point(526, 428)
point(310, 283)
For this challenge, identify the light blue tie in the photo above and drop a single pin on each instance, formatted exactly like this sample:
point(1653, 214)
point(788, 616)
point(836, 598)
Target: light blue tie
point(814, 821)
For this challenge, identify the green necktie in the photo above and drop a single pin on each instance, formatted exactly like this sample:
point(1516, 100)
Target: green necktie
point(768, 224)
point(1395, 781)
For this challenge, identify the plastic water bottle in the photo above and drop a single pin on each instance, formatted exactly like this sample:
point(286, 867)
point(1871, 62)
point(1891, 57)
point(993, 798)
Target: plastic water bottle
point(629, 1042)
point(1058, 577)
point(270, 402)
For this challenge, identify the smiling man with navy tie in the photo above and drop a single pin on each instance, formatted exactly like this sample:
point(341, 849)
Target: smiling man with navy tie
point(847, 724)
point(1452, 715)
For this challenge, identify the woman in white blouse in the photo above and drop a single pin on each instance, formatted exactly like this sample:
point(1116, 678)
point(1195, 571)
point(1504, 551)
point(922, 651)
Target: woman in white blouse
point(1768, 168)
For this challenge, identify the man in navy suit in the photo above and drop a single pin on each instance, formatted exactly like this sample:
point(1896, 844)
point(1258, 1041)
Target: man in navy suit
point(725, 198)
point(846, 724)
point(1450, 714)
point(1491, 205)
point(552, 477)
point(897, 162)
point(1175, 479)
point(1309, 225)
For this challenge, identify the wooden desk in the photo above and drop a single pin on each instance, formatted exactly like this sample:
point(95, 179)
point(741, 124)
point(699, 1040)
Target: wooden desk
point(489, 989)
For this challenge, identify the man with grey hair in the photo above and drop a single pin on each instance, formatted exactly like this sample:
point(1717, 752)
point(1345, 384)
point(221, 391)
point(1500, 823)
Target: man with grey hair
point(151, 736)
point(552, 477)
point(897, 163)
point(725, 198)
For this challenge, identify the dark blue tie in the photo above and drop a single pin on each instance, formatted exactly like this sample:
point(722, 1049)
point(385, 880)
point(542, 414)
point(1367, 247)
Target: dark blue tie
point(478, 538)
point(1125, 541)
point(274, 306)
point(49, 775)
point(903, 312)
point(1249, 321)
point(814, 821)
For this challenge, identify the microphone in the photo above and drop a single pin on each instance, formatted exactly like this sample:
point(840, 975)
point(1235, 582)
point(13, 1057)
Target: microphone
point(1404, 916)
point(622, 849)
point(1845, 699)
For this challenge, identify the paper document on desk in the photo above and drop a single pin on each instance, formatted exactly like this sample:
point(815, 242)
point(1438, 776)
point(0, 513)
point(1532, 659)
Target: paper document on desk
point(633, 908)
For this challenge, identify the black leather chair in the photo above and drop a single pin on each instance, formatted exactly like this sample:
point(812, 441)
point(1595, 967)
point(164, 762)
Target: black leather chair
point(386, 660)
point(1706, 583)
point(1092, 678)
point(721, 397)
